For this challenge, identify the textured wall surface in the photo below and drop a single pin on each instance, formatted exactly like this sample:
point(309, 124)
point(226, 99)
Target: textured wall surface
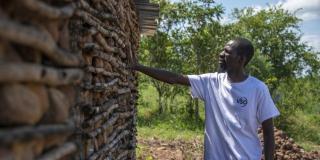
point(108, 35)
point(65, 92)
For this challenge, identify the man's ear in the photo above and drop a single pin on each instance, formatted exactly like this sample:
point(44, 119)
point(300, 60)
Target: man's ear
point(242, 60)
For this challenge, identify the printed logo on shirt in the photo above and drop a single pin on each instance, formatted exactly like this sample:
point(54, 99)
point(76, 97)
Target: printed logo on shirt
point(242, 101)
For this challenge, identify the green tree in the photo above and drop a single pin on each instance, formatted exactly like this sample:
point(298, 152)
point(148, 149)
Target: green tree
point(277, 40)
point(181, 28)
point(195, 16)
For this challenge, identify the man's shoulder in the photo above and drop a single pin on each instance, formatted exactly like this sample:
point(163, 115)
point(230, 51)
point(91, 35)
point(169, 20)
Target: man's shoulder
point(202, 77)
point(209, 75)
point(260, 85)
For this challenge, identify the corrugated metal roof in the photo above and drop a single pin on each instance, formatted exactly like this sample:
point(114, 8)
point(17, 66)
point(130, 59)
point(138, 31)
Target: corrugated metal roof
point(148, 13)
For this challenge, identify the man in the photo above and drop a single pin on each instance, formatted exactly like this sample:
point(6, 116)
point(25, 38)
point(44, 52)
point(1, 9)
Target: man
point(236, 104)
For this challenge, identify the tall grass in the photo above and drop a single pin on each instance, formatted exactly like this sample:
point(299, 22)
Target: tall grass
point(177, 125)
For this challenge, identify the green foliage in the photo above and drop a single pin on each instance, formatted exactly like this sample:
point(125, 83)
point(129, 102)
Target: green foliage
point(300, 109)
point(174, 47)
point(300, 94)
point(175, 125)
point(276, 35)
point(304, 127)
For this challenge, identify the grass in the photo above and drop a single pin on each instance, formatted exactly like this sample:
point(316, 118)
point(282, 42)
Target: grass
point(304, 128)
point(167, 126)
point(141, 150)
point(309, 146)
point(169, 132)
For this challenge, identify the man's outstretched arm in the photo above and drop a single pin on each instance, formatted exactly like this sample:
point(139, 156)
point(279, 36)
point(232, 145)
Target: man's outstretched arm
point(268, 136)
point(162, 75)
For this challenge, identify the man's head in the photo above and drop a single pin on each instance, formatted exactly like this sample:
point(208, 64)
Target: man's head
point(237, 53)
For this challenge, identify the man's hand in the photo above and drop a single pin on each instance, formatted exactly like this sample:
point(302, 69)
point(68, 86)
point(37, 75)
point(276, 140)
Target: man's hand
point(133, 62)
point(268, 136)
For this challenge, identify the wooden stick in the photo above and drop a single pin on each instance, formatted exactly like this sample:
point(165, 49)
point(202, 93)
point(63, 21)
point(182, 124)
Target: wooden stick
point(133, 25)
point(48, 11)
point(103, 43)
point(28, 72)
point(89, 47)
point(101, 40)
point(124, 90)
point(99, 109)
point(99, 117)
point(93, 88)
point(123, 84)
point(123, 154)
point(10, 135)
point(105, 16)
point(99, 87)
point(109, 145)
point(95, 144)
point(109, 123)
point(113, 4)
point(122, 54)
point(32, 37)
point(101, 71)
point(130, 54)
point(123, 71)
point(108, 6)
point(95, 52)
point(60, 152)
point(88, 18)
point(125, 114)
point(90, 32)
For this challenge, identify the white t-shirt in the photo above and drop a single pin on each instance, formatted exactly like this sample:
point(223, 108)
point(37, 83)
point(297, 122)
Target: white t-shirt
point(233, 112)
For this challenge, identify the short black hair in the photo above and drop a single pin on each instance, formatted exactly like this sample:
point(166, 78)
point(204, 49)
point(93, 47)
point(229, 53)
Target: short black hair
point(243, 47)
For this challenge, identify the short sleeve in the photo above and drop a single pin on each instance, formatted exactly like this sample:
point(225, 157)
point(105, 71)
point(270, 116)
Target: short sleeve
point(198, 85)
point(266, 107)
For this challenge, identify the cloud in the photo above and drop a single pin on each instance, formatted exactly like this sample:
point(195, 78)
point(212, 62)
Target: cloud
point(258, 8)
point(312, 40)
point(226, 19)
point(308, 9)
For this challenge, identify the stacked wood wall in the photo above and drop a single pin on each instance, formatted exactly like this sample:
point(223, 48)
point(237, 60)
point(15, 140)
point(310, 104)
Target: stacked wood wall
point(109, 35)
point(65, 92)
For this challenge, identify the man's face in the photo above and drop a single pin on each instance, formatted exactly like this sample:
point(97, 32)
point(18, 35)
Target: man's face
point(229, 59)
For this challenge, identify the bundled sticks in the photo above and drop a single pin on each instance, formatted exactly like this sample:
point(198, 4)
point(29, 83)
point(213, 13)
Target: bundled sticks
point(107, 121)
point(65, 90)
point(39, 77)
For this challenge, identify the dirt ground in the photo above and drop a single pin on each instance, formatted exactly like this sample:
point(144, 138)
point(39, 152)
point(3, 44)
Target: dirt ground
point(156, 149)
point(153, 148)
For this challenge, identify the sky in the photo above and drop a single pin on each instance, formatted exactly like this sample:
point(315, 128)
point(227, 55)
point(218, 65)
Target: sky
point(309, 12)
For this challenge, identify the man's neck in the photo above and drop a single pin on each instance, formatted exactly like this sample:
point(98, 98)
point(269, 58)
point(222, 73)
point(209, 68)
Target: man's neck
point(236, 76)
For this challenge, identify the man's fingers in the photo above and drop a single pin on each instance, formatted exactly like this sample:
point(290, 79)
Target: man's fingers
point(132, 59)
